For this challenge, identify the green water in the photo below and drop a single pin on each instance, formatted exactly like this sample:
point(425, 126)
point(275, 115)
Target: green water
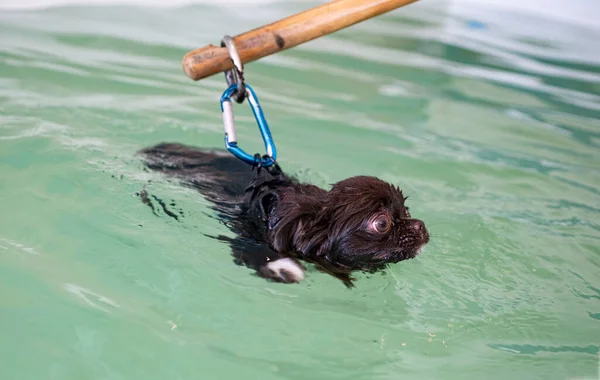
point(491, 126)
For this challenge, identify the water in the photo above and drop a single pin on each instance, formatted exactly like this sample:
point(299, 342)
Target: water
point(488, 119)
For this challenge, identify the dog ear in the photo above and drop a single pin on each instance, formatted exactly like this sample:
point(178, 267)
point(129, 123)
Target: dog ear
point(314, 242)
point(267, 263)
point(295, 224)
point(267, 203)
point(341, 273)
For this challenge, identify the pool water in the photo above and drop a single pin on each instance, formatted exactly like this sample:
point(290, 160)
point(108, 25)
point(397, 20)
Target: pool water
point(488, 119)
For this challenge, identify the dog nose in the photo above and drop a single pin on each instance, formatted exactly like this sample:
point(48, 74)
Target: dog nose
point(418, 226)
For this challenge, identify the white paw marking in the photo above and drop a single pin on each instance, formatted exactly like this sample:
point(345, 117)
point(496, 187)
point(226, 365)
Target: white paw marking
point(287, 270)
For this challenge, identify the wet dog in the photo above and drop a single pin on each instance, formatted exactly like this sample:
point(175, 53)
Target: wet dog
point(360, 224)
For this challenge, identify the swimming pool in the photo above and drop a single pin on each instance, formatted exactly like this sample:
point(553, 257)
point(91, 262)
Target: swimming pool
point(488, 118)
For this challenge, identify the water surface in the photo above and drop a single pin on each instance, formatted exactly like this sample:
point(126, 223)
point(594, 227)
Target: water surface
point(489, 120)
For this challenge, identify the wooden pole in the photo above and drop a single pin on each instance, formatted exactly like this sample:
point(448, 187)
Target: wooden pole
point(286, 33)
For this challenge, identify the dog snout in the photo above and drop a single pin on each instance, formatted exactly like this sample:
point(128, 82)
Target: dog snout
point(418, 226)
point(420, 230)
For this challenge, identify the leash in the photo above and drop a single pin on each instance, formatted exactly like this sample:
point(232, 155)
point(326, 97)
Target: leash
point(266, 40)
point(238, 90)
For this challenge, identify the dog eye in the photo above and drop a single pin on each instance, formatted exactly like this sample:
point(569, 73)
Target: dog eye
point(381, 224)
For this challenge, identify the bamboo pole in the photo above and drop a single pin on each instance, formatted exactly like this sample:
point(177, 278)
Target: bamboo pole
point(286, 33)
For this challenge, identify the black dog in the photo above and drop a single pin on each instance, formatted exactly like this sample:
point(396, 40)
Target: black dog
point(361, 224)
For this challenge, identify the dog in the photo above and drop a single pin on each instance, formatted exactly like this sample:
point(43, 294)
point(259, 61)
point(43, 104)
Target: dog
point(360, 224)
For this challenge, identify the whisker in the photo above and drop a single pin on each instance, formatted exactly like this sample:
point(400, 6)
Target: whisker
point(437, 223)
point(444, 238)
point(438, 236)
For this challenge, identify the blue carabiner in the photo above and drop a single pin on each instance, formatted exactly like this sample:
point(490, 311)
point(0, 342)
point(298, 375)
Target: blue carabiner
point(230, 132)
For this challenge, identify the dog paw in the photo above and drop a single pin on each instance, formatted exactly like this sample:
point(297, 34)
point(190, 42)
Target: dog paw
point(284, 270)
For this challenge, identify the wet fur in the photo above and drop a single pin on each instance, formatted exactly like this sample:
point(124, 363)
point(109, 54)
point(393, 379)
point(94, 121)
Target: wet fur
point(275, 217)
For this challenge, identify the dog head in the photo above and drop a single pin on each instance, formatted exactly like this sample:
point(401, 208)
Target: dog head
point(363, 224)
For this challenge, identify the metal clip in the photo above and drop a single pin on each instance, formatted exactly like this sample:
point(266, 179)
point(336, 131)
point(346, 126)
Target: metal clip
point(236, 74)
point(230, 132)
